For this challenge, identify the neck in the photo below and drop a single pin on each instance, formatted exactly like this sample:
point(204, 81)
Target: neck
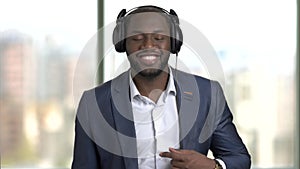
point(152, 87)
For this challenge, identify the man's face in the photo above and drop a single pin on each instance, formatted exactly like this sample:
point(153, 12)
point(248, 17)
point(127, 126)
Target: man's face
point(148, 43)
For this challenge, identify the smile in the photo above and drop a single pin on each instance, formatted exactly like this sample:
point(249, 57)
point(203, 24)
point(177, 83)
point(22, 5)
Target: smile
point(148, 58)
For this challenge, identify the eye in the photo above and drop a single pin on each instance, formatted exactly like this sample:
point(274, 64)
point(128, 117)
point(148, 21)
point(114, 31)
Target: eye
point(159, 37)
point(137, 37)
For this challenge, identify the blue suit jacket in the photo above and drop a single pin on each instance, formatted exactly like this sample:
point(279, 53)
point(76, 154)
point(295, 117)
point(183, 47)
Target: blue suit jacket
point(105, 132)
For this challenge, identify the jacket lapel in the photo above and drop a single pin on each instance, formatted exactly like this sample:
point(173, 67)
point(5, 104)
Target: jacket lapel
point(188, 101)
point(123, 116)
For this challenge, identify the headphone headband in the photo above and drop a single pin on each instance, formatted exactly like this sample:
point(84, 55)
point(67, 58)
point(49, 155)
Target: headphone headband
point(124, 13)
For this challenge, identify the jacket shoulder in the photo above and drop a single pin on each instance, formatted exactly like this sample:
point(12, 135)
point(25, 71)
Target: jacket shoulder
point(202, 82)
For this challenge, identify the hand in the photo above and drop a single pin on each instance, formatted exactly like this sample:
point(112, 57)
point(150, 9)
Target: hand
point(188, 159)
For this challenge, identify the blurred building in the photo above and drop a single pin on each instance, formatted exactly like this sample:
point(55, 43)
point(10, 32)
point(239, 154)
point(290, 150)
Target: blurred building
point(15, 51)
point(37, 111)
point(263, 103)
point(54, 113)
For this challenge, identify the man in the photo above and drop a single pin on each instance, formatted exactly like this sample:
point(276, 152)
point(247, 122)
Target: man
point(154, 116)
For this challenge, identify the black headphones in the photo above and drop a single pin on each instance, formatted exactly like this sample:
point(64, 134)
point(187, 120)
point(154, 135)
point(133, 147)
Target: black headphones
point(119, 31)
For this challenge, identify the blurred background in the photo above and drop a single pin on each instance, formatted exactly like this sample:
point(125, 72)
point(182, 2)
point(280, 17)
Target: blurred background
point(41, 42)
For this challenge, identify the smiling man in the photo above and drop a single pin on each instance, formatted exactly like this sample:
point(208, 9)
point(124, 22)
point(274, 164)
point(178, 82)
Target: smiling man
point(154, 116)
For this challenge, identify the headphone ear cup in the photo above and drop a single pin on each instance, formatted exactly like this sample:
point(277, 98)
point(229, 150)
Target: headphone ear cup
point(176, 33)
point(119, 33)
point(178, 38)
point(173, 36)
point(118, 37)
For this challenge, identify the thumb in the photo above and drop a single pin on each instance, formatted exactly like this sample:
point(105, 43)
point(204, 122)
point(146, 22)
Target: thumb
point(180, 151)
point(173, 150)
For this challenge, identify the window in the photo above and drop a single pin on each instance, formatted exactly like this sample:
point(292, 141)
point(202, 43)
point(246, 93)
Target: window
point(40, 54)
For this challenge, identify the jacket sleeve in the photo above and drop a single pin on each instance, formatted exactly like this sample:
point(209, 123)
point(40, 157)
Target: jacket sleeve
point(226, 142)
point(85, 150)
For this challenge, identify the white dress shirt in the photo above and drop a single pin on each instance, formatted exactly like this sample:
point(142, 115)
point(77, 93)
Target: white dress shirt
point(156, 126)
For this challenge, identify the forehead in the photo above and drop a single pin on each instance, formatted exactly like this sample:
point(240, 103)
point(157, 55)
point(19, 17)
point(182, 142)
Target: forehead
point(148, 22)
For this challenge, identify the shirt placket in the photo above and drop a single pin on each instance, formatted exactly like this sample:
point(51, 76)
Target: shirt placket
point(156, 115)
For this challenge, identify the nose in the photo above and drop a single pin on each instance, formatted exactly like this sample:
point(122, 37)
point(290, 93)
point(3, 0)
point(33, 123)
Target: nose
point(148, 42)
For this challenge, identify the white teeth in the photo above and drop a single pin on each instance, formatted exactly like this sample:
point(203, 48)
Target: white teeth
point(149, 57)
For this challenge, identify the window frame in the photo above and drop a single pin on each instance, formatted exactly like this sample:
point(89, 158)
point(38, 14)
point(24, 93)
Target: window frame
point(297, 78)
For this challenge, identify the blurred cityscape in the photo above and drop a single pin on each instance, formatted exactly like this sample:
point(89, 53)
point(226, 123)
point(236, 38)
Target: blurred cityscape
point(37, 109)
point(262, 100)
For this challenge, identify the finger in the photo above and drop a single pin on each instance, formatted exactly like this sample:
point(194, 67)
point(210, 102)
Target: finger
point(172, 155)
point(175, 151)
point(180, 151)
point(168, 154)
point(175, 155)
point(165, 154)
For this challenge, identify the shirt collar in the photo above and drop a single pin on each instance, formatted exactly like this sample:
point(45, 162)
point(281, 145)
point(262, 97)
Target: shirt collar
point(169, 90)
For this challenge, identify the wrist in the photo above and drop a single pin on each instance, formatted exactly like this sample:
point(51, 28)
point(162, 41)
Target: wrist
point(217, 165)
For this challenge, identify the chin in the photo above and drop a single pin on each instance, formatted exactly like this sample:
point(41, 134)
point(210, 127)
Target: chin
point(150, 73)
